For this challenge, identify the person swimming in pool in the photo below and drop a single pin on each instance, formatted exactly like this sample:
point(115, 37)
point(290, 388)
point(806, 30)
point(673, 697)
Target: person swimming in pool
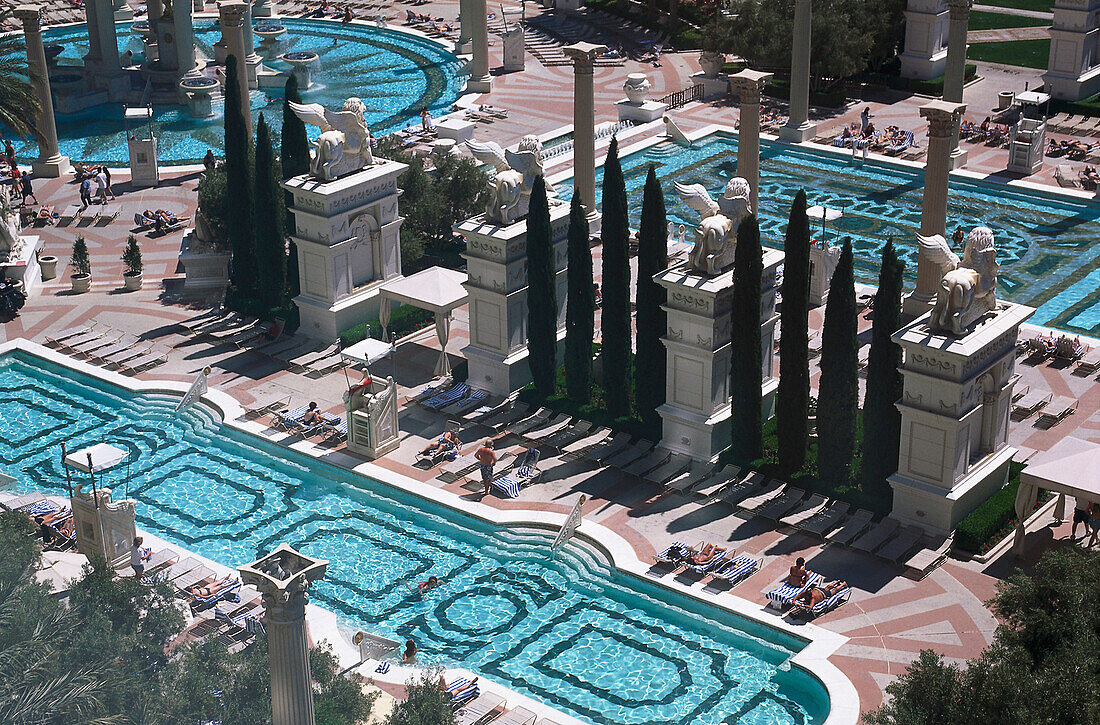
point(431, 583)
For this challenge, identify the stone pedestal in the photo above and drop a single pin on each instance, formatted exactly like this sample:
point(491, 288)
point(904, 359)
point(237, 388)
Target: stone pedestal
point(205, 267)
point(101, 525)
point(926, 26)
point(455, 129)
point(823, 259)
point(144, 170)
point(798, 127)
point(696, 414)
point(347, 236)
point(372, 419)
point(714, 87)
point(514, 50)
point(25, 266)
point(636, 106)
point(496, 258)
point(954, 418)
point(1073, 69)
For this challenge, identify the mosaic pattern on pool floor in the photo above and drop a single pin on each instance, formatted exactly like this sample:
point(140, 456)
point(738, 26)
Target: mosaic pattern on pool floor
point(395, 74)
point(559, 627)
point(1045, 245)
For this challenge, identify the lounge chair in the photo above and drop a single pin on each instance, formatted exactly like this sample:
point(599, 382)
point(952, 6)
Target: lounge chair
point(763, 496)
point(1090, 363)
point(452, 394)
point(516, 716)
point(778, 507)
point(627, 455)
point(82, 337)
point(473, 399)
point(734, 570)
point(928, 557)
point(876, 535)
point(905, 143)
point(686, 483)
point(580, 448)
point(559, 422)
point(102, 352)
point(645, 464)
point(1030, 403)
point(147, 360)
point(527, 473)
point(781, 596)
point(432, 390)
point(445, 451)
point(712, 487)
point(824, 520)
point(607, 448)
point(198, 602)
point(266, 406)
point(196, 576)
point(535, 420)
point(852, 528)
point(462, 690)
point(59, 337)
point(289, 420)
point(676, 553)
point(804, 510)
point(478, 709)
point(896, 548)
point(178, 569)
point(334, 428)
point(505, 417)
point(29, 504)
point(1057, 409)
point(673, 467)
point(486, 413)
point(714, 561)
point(828, 604)
point(568, 434)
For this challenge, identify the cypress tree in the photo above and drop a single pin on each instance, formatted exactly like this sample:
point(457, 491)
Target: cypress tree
point(295, 148)
point(615, 318)
point(746, 356)
point(838, 389)
point(881, 420)
point(649, 361)
point(270, 237)
point(243, 270)
point(580, 308)
point(793, 399)
point(542, 306)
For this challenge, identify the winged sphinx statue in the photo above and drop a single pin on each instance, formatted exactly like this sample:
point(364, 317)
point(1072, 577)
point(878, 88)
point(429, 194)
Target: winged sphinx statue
point(968, 287)
point(510, 190)
point(344, 143)
point(716, 235)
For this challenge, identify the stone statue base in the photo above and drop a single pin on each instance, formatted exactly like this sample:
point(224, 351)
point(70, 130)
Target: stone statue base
point(346, 232)
point(372, 419)
point(25, 267)
point(514, 50)
point(643, 112)
point(51, 168)
point(714, 87)
point(484, 84)
point(205, 268)
point(144, 169)
point(497, 284)
point(798, 134)
point(696, 414)
point(954, 418)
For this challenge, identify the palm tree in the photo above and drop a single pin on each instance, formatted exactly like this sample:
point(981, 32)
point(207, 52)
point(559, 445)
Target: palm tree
point(18, 104)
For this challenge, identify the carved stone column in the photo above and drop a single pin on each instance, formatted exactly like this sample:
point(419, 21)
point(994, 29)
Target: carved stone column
point(943, 124)
point(748, 84)
point(231, 16)
point(462, 45)
point(584, 122)
point(282, 577)
point(798, 127)
point(50, 161)
point(480, 81)
point(251, 58)
point(108, 38)
point(955, 74)
point(95, 53)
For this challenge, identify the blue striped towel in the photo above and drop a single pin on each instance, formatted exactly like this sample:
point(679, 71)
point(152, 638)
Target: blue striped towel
point(382, 668)
point(458, 685)
point(831, 602)
point(718, 559)
point(784, 593)
point(39, 508)
point(675, 552)
point(448, 397)
point(737, 569)
point(507, 485)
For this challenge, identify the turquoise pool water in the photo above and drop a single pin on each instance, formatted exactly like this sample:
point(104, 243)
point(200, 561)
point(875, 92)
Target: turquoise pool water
point(396, 75)
point(562, 628)
point(1046, 245)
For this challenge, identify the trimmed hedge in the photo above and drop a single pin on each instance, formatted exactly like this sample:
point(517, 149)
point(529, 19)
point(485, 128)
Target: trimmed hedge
point(403, 320)
point(781, 88)
point(978, 531)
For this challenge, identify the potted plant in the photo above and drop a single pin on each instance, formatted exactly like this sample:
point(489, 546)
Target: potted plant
point(48, 264)
point(131, 258)
point(81, 277)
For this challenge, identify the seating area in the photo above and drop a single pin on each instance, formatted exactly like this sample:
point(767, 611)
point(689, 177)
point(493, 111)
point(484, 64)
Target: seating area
point(107, 347)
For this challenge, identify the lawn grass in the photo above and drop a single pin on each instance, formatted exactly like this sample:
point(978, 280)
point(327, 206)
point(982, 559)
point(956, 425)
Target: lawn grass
point(1043, 6)
point(1025, 53)
point(982, 20)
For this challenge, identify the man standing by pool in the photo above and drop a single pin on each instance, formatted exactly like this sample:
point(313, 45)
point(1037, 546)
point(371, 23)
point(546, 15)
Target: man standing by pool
point(486, 458)
point(138, 557)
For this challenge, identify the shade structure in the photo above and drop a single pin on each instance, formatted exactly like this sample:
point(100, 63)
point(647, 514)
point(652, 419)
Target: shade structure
point(436, 289)
point(1070, 467)
point(102, 457)
point(367, 352)
point(823, 214)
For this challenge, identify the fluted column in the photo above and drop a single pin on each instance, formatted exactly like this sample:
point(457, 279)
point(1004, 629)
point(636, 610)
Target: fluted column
point(108, 38)
point(155, 10)
point(251, 59)
point(584, 122)
point(943, 124)
point(480, 81)
point(798, 127)
point(231, 17)
point(92, 58)
point(462, 45)
point(954, 76)
point(748, 84)
point(50, 161)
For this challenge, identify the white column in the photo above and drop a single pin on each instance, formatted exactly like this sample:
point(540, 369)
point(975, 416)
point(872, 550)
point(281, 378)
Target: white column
point(50, 161)
point(185, 37)
point(955, 73)
point(748, 84)
point(480, 81)
point(288, 653)
point(798, 127)
point(231, 16)
point(108, 39)
point(465, 34)
point(584, 122)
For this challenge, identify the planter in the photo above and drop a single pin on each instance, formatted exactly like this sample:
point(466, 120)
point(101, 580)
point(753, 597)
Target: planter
point(1005, 99)
point(636, 88)
point(81, 283)
point(131, 281)
point(711, 62)
point(49, 267)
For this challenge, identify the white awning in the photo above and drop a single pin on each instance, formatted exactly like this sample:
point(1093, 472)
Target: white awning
point(823, 213)
point(367, 352)
point(102, 456)
point(436, 289)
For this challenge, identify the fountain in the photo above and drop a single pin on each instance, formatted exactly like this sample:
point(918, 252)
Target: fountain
point(269, 34)
point(198, 91)
point(300, 61)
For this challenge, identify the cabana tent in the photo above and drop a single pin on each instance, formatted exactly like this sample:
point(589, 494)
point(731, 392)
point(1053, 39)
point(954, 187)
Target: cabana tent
point(1072, 466)
point(435, 289)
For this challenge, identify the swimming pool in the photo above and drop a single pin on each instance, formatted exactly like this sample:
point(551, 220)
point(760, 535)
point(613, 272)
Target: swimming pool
point(1046, 244)
point(562, 628)
point(395, 74)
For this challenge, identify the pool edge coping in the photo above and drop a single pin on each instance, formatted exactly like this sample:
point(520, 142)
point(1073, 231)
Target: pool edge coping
point(820, 644)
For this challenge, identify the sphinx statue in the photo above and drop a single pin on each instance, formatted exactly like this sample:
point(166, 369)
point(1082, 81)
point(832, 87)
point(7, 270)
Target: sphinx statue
point(510, 190)
point(344, 145)
point(968, 287)
point(716, 235)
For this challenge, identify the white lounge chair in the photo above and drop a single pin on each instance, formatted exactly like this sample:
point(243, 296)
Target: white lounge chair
point(852, 528)
point(876, 535)
point(1058, 409)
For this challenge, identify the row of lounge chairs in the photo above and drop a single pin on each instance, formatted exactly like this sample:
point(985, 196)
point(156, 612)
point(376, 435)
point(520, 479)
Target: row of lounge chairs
point(472, 706)
point(57, 520)
point(293, 421)
point(1052, 409)
point(107, 347)
point(300, 354)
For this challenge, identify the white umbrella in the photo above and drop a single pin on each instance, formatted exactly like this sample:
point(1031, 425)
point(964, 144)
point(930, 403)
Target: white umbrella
point(825, 214)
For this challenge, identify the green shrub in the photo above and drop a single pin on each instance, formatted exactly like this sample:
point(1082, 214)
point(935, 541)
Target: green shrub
point(781, 88)
point(131, 256)
point(81, 262)
point(403, 320)
point(978, 531)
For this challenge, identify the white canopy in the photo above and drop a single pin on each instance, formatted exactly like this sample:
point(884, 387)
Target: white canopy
point(435, 289)
point(1071, 466)
point(367, 352)
point(102, 456)
point(823, 213)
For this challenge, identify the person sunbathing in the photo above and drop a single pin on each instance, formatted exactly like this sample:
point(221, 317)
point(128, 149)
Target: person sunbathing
point(446, 442)
point(707, 555)
point(313, 415)
point(816, 595)
point(798, 574)
point(55, 516)
point(206, 591)
point(44, 217)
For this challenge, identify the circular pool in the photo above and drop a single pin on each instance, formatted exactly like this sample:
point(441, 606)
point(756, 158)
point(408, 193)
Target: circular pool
point(395, 74)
